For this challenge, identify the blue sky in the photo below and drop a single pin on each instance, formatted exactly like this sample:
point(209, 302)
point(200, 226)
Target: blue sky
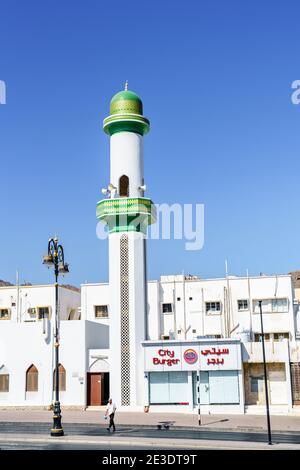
point(215, 79)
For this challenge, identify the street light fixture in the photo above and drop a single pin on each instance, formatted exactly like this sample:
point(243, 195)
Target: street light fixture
point(265, 373)
point(55, 258)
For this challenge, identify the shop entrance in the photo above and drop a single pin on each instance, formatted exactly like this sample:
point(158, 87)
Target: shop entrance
point(204, 388)
point(169, 387)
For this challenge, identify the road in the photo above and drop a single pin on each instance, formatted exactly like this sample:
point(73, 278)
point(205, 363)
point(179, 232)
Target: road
point(134, 434)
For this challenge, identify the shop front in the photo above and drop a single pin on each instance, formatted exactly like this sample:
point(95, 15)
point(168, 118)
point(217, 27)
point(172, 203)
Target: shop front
point(189, 374)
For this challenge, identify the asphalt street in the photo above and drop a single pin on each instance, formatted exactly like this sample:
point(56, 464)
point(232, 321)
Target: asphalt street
point(132, 432)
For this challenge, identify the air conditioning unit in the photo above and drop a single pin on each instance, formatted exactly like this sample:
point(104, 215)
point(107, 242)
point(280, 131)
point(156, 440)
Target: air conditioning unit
point(31, 311)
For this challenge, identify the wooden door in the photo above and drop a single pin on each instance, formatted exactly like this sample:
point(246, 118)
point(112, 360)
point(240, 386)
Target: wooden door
point(94, 389)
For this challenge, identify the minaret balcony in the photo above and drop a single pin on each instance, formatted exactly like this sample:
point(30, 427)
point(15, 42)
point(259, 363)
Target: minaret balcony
point(126, 214)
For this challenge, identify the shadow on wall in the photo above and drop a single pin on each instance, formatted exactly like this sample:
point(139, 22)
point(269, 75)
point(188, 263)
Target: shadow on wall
point(97, 335)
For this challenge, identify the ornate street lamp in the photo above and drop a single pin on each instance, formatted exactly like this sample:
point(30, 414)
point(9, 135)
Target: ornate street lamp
point(55, 258)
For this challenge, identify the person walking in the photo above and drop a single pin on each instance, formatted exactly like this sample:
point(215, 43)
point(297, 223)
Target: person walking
point(110, 412)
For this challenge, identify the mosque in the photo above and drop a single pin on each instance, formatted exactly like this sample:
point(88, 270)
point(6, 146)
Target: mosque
point(180, 342)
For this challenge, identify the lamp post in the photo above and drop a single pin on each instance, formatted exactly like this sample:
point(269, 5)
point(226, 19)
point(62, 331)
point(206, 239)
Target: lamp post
point(55, 258)
point(265, 373)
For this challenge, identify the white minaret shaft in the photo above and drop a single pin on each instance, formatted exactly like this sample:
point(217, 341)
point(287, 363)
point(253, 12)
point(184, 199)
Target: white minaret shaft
point(127, 214)
point(126, 158)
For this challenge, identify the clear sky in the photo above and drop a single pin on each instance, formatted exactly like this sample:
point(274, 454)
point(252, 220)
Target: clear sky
point(215, 79)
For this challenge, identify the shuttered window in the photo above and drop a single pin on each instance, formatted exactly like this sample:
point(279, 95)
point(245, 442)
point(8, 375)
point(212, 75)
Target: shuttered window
point(32, 379)
point(4, 382)
point(61, 378)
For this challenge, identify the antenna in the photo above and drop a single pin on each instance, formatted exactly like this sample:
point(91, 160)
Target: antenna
point(226, 267)
point(126, 85)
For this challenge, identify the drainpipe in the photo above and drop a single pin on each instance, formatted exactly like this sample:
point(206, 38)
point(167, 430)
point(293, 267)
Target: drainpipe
point(184, 308)
point(225, 313)
point(202, 308)
point(250, 313)
point(228, 299)
point(288, 376)
point(18, 296)
point(174, 312)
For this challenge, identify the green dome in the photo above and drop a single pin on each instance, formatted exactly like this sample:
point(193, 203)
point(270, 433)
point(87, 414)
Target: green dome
point(126, 102)
point(126, 114)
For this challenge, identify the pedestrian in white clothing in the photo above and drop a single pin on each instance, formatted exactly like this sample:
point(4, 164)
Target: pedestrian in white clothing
point(110, 412)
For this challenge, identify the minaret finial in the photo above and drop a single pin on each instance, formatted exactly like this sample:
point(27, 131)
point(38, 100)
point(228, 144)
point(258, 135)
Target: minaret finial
point(126, 85)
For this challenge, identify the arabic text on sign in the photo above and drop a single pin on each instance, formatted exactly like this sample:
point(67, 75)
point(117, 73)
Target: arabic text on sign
point(215, 361)
point(218, 351)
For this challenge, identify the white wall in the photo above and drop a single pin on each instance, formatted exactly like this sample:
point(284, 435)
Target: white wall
point(189, 312)
point(91, 295)
point(19, 300)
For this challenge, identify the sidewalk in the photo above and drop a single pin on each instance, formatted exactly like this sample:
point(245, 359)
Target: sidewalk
point(222, 422)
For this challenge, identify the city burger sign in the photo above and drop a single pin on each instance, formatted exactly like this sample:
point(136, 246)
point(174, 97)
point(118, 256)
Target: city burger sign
point(166, 357)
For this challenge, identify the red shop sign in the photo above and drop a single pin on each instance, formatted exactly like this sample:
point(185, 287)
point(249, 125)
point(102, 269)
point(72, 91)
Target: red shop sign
point(166, 357)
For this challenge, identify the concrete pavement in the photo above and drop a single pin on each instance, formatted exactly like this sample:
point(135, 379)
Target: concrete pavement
point(223, 422)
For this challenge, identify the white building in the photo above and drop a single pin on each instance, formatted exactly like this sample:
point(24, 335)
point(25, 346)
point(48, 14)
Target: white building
point(192, 313)
point(26, 346)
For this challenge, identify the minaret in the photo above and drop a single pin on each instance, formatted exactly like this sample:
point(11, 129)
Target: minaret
point(127, 213)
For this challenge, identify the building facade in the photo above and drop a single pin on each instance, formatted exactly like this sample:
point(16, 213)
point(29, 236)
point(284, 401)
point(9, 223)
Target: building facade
point(185, 309)
point(198, 330)
point(27, 349)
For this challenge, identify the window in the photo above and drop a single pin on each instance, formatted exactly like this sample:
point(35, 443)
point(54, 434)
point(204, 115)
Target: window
point(169, 387)
point(243, 305)
point(72, 314)
point(213, 308)
point(178, 298)
point(256, 384)
point(43, 312)
point(194, 331)
point(4, 383)
point(32, 379)
point(279, 305)
point(210, 336)
point(179, 331)
point(31, 314)
point(167, 308)
point(4, 313)
point(61, 378)
point(190, 298)
point(280, 336)
point(101, 311)
point(124, 186)
point(271, 306)
point(258, 337)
